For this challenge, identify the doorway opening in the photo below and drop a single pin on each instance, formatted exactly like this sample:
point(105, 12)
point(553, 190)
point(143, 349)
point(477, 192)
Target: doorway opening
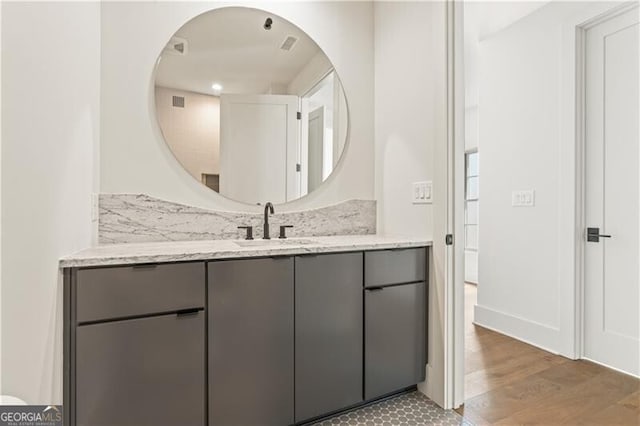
point(523, 318)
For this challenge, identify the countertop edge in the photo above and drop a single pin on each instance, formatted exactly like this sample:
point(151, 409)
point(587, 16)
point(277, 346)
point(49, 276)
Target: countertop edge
point(124, 259)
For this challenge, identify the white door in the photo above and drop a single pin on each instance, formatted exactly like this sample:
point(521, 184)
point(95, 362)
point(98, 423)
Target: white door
point(611, 314)
point(259, 148)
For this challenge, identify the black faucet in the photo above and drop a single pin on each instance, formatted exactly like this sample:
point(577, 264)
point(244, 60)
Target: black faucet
point(267, 208)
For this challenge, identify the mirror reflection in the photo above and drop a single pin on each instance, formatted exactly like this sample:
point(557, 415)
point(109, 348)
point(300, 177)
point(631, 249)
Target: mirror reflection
point(250, 105)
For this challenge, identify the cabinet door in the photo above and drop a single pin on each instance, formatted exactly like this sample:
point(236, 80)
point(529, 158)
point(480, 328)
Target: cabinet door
point(148, 371)
point(395, 331)
point(328, 333)
point(251, 342)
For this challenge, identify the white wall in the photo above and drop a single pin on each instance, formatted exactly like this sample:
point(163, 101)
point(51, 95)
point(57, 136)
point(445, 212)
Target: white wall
point(410, 96)
point(481, 19)
point(522, 135)
point(50, 105)
point(135, 159)
point(406, 83)
point(94, 65)
point(192, 132)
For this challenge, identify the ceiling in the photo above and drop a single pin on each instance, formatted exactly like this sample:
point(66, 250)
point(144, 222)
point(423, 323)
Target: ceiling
point(229, 46)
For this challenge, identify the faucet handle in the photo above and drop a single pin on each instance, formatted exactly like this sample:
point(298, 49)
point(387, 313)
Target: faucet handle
point(249, 232)
point(283, 231)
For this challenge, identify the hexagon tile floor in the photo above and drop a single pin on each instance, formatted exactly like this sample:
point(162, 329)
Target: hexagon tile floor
point(412, 408)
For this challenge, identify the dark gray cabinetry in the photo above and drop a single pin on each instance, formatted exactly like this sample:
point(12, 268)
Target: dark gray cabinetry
point(134, 345)
point(251, 342)
point(242, 342)
point(146, 371)
point(120, 292)
point(395, 321)
point(385, 267)
point(329, 327)
point(394, 338)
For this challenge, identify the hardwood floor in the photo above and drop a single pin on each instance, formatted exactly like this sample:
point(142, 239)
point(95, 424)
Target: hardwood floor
point(508, 382)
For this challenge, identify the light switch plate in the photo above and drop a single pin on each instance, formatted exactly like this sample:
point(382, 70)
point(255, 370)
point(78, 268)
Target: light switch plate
point(523, 198)
point(422, 192)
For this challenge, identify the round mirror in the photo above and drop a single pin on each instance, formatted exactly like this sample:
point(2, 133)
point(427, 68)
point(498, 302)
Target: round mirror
point(250, 105)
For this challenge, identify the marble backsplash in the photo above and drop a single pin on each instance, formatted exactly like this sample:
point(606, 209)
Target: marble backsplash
point(138, 218)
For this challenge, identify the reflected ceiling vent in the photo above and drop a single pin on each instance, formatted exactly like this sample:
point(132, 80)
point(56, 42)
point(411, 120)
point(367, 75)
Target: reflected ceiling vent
point(178, 101)
point(177, 46)
point(288, 43)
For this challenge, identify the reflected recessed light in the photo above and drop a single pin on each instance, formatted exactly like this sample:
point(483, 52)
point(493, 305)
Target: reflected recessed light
point(216, 87)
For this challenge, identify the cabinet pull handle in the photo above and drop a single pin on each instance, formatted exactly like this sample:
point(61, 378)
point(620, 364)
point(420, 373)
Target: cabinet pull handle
point(375, 288)
point(148, 266)
point(185, 312)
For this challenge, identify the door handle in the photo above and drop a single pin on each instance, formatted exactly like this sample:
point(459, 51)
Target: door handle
point(594, 235)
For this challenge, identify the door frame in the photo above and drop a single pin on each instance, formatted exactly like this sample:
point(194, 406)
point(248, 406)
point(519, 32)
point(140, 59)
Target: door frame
point(454, 348)
point(571, 223)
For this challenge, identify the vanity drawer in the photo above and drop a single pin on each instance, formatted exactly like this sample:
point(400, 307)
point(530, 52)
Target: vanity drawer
point(396, 266)
point(121, 292)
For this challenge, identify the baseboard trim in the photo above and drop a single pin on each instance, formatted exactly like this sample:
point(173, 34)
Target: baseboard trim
point(611, 368)
point(533, 333)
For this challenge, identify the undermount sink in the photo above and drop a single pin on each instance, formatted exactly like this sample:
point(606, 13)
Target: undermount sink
point(274, 242)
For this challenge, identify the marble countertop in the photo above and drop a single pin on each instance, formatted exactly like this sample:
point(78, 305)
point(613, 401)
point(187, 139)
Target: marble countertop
point(182, 251)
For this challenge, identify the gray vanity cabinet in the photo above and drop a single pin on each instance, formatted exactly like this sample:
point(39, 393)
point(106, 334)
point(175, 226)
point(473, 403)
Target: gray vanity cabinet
point(134, 291)
point(394, 338)
point(251, 342)
point(269, 341)
point(146, 371)
point(329, 327)
point(395, 266)
point(395, 321)
point(134, 345)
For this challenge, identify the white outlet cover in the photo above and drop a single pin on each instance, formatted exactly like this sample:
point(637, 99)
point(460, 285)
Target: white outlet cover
point(523, 198)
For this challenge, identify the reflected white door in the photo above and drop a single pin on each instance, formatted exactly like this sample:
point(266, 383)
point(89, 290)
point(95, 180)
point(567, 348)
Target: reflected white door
point(612, 295)
point(259, 148)
point(316, 148)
